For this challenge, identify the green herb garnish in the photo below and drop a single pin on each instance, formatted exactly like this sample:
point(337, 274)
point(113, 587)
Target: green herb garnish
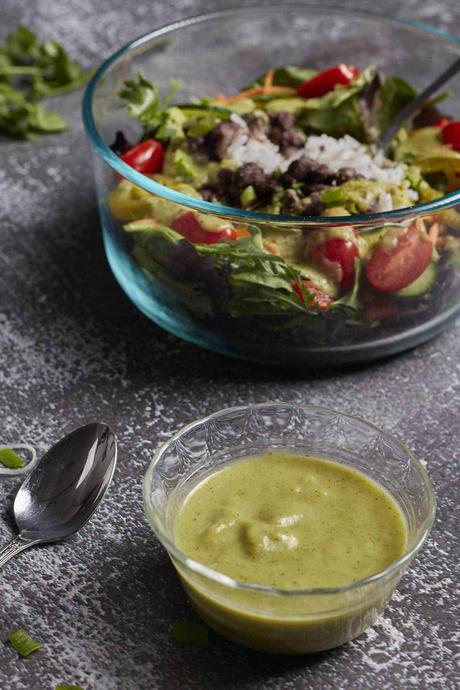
point(191, 633)
point(30, 71)
point(10, 459)
point(23, 643)
point(66, 686)
point(145, 104)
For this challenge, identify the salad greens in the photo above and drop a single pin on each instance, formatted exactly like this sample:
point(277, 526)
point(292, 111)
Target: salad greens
point(296, 142)
point(257, 283)
point(30, 71)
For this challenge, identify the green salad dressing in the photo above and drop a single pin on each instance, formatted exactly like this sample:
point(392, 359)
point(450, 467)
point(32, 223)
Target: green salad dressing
point(290, 522)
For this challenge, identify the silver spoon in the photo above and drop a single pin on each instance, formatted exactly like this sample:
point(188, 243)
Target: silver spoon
point(64, 489)
point(414, 106)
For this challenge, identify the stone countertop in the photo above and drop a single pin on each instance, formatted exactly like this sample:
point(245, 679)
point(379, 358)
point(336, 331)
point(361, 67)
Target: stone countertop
point(74, 349)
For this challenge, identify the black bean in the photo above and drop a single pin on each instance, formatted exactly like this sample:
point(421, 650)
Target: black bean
point(217, 141)
point(121, 144)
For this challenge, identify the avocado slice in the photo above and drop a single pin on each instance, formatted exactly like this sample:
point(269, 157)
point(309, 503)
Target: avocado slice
point(422, 284)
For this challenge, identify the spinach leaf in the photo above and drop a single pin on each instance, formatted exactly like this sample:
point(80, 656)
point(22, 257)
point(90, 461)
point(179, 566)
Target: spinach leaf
point(232, 278)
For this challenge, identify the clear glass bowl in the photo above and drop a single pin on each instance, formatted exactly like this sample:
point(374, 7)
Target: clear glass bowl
point(221, 52)
point(273, 620)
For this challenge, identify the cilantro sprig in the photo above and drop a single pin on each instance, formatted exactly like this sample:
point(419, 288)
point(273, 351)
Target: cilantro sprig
point(145, 103)
point(29, 72)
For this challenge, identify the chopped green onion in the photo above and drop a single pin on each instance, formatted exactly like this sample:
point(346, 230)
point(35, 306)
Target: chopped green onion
point(248, 196)
point(10, 459)
point(334, 197)
point(183, 165)
point(23, 643)
point(66, 686)
point(191, 633)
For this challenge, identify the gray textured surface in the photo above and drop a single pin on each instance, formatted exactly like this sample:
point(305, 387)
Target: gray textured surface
point(72, 348)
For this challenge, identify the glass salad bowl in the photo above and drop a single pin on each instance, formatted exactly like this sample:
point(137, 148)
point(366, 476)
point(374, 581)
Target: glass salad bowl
point(240, 297)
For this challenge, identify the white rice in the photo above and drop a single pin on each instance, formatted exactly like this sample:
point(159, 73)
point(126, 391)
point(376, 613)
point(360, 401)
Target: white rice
point(248, 147)
point(384, 202)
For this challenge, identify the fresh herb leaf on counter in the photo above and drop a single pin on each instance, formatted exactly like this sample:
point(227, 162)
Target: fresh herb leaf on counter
point(191, 633)
point(23, 643)
point(30, 71)
point(10, 459)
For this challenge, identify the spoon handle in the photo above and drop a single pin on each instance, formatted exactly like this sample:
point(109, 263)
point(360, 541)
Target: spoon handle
point(14, 547)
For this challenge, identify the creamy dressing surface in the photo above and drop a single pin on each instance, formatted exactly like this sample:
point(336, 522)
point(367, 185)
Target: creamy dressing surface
point(290, 522)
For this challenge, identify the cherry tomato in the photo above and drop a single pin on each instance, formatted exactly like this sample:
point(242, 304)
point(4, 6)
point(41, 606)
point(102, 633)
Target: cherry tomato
point(319, 299)
point(392, 269)
point(441, 122)
point(146, 157)
point(325, 81)
point(337, 257)
point(190, 227)
point(451, 135)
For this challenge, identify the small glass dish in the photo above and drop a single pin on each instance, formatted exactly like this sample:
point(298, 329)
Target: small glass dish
point(220, 53)
point(261, 617)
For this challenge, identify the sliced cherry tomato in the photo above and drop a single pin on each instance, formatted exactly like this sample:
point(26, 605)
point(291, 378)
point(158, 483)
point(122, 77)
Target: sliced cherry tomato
point(451, 135)
point(319, 300)
point(190, 227)
point(325, 81)
point(337, 258)
point(441, 122)
point(392, 269)
point(146, 157)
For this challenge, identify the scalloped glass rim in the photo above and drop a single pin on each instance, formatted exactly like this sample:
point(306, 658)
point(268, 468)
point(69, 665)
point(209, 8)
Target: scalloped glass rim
point(236, 584)
point(240, 214)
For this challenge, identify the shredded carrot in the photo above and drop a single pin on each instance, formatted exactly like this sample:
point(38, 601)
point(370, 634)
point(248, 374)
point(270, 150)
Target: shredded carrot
point(256, 91)
point(420, 225)
point(241, 232)
point(269, 78)
point(270, 247)
point(433, 233)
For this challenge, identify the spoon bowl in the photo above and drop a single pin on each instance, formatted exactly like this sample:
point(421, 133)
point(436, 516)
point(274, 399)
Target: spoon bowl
point(64, 489)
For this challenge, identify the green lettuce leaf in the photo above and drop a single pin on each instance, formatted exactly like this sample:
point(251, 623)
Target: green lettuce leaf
point(234, 278)
point(338, 112)
point(290, 75)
